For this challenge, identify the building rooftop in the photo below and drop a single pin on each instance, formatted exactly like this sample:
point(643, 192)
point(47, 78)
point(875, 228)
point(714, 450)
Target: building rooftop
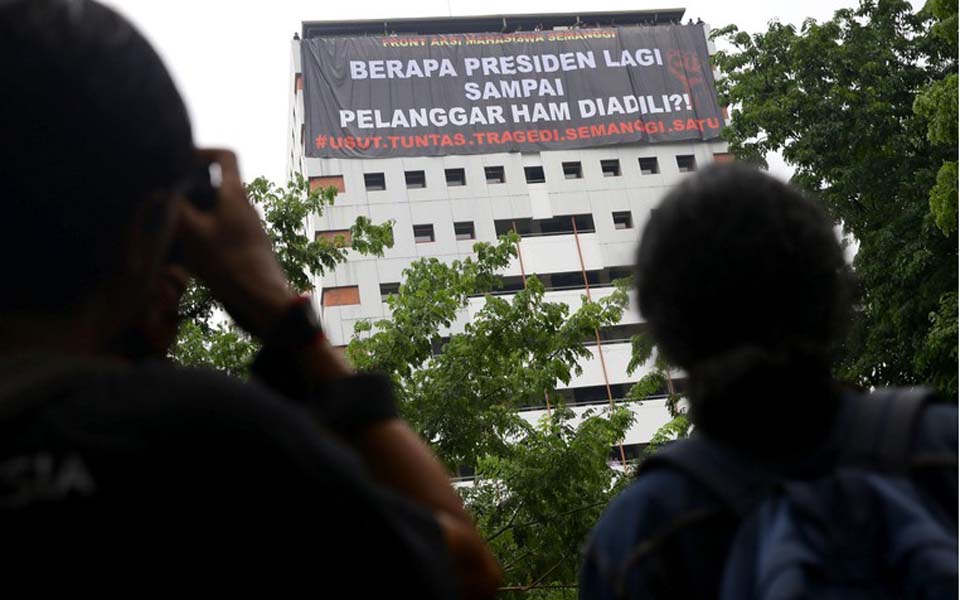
point(490, 23)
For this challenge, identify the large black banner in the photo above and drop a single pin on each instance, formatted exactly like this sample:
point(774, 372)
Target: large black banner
point(521, 92)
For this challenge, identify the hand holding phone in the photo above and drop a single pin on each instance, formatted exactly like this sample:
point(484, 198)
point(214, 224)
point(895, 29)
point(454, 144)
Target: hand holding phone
point(222, 241)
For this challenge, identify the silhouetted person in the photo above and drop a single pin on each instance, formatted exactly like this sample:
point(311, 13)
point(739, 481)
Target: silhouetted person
point(791, 485)
point(138, 476)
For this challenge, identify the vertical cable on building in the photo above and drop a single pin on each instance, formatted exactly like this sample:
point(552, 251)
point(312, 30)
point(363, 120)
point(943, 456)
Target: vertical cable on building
point(596, 331)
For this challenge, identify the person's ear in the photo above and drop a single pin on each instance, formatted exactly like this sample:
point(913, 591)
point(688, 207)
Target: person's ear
point(149, 238)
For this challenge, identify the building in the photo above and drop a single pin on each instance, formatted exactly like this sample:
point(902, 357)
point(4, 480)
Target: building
point(579, 211)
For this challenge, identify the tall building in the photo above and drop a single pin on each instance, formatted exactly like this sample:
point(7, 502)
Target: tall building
point(578, 207)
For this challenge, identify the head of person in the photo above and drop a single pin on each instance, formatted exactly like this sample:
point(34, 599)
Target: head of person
point(743, 284)
point(96, 144)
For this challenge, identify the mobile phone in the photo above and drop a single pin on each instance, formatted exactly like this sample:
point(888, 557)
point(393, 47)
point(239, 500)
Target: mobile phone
point(200, 189)
point(201, 186)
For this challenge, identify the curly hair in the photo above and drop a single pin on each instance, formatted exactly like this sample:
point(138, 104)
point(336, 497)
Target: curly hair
point(739, 277)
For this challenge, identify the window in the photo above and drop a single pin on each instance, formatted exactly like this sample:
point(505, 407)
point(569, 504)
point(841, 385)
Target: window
point(331, 235)
point(522, 226)
point(464, 230)
point(572, 170)
point(596, 394)
point(374, 182)
point(341, 296)
point(723, 157)
point(622, 220)
point(456, 177)
point(649, 165)
point(335, 181)
point(423, 234)
point(437, 344)
point(388, 288)
point(611, 167)
point(619, 333)
point(631, 453)
point(495, 174)
point(466, 472)
point(539, 227)
point(686, 163)
point(415, 179)
point(569, 280)
point(534, 174)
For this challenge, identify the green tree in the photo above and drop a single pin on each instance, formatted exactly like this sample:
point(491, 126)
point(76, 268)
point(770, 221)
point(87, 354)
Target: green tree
point(207, 337)
point(937, 104)
point(661, 377)
point(863, 106)
point(539, 488)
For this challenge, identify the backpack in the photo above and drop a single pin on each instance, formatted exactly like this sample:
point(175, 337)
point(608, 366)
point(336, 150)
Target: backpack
point(862, 530)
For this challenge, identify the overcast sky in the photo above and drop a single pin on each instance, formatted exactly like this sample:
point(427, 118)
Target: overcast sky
point(231, 58)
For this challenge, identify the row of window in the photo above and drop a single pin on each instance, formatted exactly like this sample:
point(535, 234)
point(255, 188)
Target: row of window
point(552, 282)
point(466, 230)
point(569, 280)
point(597, 394)
point(455, 177)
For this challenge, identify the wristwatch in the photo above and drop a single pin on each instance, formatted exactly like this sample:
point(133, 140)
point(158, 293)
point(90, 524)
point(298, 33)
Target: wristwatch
point(297, 327)
point(346, 405)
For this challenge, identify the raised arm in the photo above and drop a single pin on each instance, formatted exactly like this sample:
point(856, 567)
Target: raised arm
point(227, 248)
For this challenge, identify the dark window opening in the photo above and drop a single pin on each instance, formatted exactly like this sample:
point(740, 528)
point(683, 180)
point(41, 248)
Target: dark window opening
point(534, 174)
point(437, 344)
point(456, 177)
point(622, 220)
point(423, 234)
point(466, 472)
point(649, 166)
point(616, 334)
point(540, 227)
point(374, 182)
point(522, 226)
point(631, 452)
point(610, 168)
point(464, 230)
point(495, 174)
point(686, 163)
point(597, 394)
point(388, 288)
point(569, 280)
point(572, 170)
point(415, 179)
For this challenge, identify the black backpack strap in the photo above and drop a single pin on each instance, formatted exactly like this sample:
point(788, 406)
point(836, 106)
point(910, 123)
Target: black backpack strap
point(735, 481)
point(880, 433)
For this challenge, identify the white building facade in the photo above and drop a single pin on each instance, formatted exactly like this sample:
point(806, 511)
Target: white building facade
point(442, 206)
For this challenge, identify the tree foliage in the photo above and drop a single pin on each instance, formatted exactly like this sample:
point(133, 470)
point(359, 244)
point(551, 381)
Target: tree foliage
point(863, 106)
point(539, 488)
point(207, 337)
point(537, 501)
point(643, 350)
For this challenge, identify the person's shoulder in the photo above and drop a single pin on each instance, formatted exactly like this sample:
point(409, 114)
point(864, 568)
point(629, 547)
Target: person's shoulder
point(656, 497)
point(167, 403)
point(157, 387)
point(937, 429)
point(655, 500)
